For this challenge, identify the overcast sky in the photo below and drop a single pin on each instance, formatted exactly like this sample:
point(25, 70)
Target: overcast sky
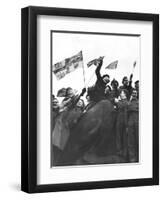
point(125, 49)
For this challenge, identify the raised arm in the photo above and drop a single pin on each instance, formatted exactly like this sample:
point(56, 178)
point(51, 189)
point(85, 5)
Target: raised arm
point(76, 98)
point(99, 65)
point(130, 81)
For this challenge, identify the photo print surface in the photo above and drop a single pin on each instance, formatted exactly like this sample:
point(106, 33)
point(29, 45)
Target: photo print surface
point(94, 98)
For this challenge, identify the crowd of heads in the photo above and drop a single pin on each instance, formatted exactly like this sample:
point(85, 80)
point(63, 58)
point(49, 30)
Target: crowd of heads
point(112, 91)
point(124, 99)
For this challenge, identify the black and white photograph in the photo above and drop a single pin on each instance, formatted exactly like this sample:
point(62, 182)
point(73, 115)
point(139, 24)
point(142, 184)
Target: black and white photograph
point(90, 99)
point(95, 80)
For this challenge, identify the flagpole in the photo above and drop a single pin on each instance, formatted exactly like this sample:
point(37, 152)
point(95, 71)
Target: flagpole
point(83, 71)
point(134, 65)
point(84, 75)
point(115, 73)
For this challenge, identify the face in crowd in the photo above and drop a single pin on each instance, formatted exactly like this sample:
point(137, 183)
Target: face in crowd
point(123, 95)
point(106, 79)
point(70, 92)
point(137, 85)
point(114, 84)
point(134, 94)
point(107, 90)
point(55, 103)
point(125, 81)
point(80, 104)
point(88, 98)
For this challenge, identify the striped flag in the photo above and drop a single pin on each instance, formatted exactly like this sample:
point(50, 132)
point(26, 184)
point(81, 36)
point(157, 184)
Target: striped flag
point(112, 65)
point(61, 69)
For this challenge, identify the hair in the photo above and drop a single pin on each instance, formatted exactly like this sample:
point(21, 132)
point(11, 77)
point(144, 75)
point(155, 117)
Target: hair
point(125, 91)
point(105, 75)
point(125, 77)
point(83, 106)
point(136, 81)
point(55, 99)
point(53, 96)
point(67, 90)
point(114, 82)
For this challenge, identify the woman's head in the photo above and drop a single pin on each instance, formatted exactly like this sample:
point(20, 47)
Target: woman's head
point(69, 92)
point(123, 94)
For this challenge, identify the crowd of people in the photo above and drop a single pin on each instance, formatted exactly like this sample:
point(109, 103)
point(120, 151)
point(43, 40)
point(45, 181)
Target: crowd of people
point(124, 100)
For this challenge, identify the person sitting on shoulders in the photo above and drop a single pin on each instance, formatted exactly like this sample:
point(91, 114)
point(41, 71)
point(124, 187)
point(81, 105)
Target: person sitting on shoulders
point(101, 83)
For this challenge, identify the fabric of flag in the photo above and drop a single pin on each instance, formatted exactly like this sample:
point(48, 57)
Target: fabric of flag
point(61, 69)
point(112, 65)
point(93, 62)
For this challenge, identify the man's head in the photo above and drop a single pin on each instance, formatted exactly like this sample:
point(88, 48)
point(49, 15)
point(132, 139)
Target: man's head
point(80, 104)
point(137, 85)
point(69, 92)
point(125, 81)
point(114, 84)
point(134, 94)
point(88, 98)
point(55, 102)
point(106, 78)
point(107, 90)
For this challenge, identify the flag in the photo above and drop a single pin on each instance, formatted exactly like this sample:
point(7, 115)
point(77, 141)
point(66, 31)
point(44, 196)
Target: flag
point(61, 92)
point(112, 65)
point(61, 69)
point(93, 62)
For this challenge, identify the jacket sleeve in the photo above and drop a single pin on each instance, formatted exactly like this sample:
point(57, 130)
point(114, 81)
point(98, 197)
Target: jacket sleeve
point(98, 74)
point(130, 81)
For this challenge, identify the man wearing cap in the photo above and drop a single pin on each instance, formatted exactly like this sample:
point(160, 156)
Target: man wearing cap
point(127, 85)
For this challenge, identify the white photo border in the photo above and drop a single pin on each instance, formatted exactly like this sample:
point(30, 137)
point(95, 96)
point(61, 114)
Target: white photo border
point(47, 175)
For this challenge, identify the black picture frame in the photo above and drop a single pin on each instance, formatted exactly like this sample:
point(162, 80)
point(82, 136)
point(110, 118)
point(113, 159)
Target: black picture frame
point(29, 98)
